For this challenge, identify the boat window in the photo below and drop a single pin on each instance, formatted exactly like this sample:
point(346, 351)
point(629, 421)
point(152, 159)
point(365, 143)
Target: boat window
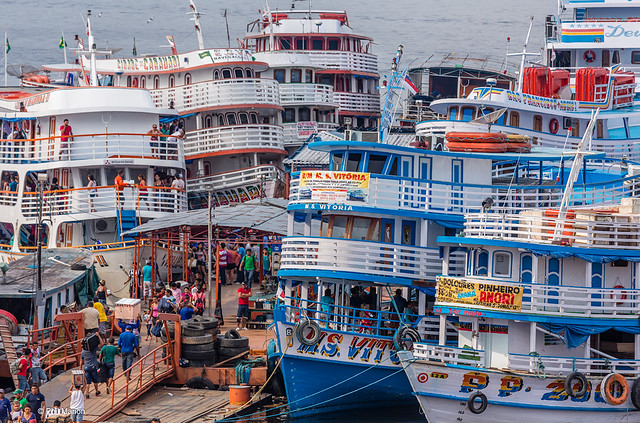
point(129, 81)
point(336, 161)
point(486, 110)
point(6, 235)
point(374, 231)
point(156, 82)
point(296, 75)
point(254, 118)
point(575, 128)
point(285, 43)
point(301, 44)
point(66, 296)
point(216, 74)
point(279, 75)
point(616, 57)
point(339, 227)
point(208, 121)
point(220, 120)
point(244, 118)
point(317, 44)
point(324, 226)
point(514, 119)
point(393, 169)
point(482, 263)
point(226, 73)
point(28, 236)
point(326, 80)
point(537, 123)
point(599, 129)
point(304, 114)
point(248, 73)
point(143, 82)
point(308, 76)
point(333, 44)
point(375, 164)
point(360, 229)
point(453, 112)
point(468, 113)
point(501, 264)
point(289, 115)
point(231, 118)
point(238, 72)
point(9, 181)
point(187, 79)
point(353, 162)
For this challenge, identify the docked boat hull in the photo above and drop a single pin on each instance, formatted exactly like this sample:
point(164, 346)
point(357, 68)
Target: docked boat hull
point(443, 392)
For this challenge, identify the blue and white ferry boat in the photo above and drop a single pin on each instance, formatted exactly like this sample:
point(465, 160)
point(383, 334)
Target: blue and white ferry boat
point(371, 225)
point(547, 319)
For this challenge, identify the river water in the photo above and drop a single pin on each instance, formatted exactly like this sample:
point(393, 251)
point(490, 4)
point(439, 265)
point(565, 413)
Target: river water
point(424, 27)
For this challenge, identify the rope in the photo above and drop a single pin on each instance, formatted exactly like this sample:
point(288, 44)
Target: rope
point(243, 369)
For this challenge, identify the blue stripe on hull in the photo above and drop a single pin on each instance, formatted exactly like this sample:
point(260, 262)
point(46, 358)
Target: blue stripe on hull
point(304, 378)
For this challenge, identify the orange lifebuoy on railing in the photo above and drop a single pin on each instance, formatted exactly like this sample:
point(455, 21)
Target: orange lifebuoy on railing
point(554, 126)
point(607, 389)
point(622, 297)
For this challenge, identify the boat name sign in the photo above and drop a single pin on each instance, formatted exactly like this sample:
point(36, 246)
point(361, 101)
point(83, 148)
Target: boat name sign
point(334, 187)
point(542, 102)
point(479, 294)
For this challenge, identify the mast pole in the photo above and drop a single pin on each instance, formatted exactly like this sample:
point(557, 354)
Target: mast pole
point(196, 19)
point(5, 57)
point(524, 55)
point(64, 49)
point(92, 48)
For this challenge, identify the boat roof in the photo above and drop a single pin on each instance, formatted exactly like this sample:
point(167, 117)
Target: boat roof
point(588, 4)
point(537, 153)
point(56, 272)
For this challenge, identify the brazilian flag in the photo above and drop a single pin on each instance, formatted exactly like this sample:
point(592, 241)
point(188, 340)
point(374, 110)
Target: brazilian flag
point(62, 44)
point(8, 46)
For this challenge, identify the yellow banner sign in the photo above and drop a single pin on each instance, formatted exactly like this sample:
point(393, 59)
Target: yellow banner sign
point(479, 294)
point(334, 187)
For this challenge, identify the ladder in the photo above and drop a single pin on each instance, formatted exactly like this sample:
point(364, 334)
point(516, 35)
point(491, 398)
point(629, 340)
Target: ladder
point(9, 348)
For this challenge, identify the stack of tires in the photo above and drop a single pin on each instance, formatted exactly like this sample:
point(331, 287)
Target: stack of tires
point(231, 345)
point(199, 336)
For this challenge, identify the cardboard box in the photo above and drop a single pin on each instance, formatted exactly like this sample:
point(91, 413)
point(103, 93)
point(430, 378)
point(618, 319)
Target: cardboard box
point(78, 377)
point(128, 308)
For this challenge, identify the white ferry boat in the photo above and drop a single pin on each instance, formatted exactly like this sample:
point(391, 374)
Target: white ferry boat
point(326, 37)
point(543, 109)
point(593, 33)
point(547, 319)
point(371, 223)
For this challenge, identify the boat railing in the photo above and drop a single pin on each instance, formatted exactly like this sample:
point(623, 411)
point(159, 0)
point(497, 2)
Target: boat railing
point(107, 146)
point(219, 93)
point(307, 93)
point(344, 60)
point(252, 176)
point(104, 199)
point(574, 301)
point(358, 102)
point(401, 193)
point(292, 136)
point(449, 355)
point(367, 258)
point(581, 228)
point(550, 365)
point(232, 138)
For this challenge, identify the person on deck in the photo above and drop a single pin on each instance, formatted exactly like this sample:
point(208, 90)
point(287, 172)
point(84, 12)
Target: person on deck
point(154, 134)
point(244, 293)
point(186, 312)
point(119, 183)
point(101, 292)
point(25, 365)
point(102, 323)
point(127, 342)
point(147, 273)
point(93, 192)
point(90, 366)
point(37, 402)
point(266, 264)
point(91, 318)
point(66, 136)
point(108, 356)
point(76, 404)
point(222, 263)
point(398, 304)
point(37, 374)
point(249, 265)
point(5, 407)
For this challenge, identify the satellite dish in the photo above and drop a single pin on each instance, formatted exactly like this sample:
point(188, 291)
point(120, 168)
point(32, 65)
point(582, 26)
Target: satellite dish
point(21, 71)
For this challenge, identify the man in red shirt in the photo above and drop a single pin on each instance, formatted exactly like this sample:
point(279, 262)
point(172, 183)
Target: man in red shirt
point(243, 306)
point(119, 183)
point(65, 136)
point(25, 364)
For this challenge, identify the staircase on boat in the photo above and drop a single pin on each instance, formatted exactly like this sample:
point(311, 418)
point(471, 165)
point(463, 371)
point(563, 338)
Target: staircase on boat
point(9, 347)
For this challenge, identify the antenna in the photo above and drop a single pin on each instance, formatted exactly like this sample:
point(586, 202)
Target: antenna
point(225, 13)
point(394, 88)
point(195, 17)
point(523, 55)
point(93, 81)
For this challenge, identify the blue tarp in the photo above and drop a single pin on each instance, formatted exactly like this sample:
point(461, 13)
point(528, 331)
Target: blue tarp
point(593, 258)
point(575, 335)
point(172, 118)
point(18, 119)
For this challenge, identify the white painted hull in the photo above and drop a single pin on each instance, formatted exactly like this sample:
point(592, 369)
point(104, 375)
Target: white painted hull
point(443, 392)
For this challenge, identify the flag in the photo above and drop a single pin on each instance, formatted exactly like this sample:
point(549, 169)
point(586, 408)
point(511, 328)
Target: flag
point(62, 44)
point(553, 54)
point(135, 51)
point(80, 44)
point(171, 41)
point(8, 46)
point(408, 84)
point(205, 54)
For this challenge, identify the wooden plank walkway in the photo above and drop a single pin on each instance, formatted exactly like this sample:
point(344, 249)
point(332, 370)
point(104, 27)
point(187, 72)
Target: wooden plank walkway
point(9, 347)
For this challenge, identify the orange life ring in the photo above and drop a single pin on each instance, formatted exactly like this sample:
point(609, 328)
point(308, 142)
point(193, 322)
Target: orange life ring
point(554, 126)
point(134, 82)
point(479, 147)
point(607, 385)
point(622, 297)
point(486, 137)
point(589, 56)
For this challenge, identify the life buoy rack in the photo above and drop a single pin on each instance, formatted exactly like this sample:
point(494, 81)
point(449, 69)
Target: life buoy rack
point(571, 380)
point(477, 408)
point(589, 56)
point(554, 126)
point(316, 333)
point(622, 297)
point(606, 389)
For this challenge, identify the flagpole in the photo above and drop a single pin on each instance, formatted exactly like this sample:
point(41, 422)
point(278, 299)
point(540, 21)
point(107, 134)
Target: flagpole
point(5, 58)
point(64, 48)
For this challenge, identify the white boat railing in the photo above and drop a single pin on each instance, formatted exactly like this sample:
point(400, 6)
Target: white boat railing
point(236, 137)
point(562, 366)
point(291, 132)
point(344, 60)
point(573, 301)
point(149, 202)
point(292, 94)
point(90, 147)
point(218, 93)
point(449, 355)
point(445, 197)
point(241, 177)
point(358, 102)
point(310, 254)
point(581, 228)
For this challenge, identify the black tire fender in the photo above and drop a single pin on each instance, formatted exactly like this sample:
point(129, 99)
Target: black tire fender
point(199, 355)
point(635, 393)
point(195, 340)
point(197, 348)
point(192, 329)
point(316, 333)
point(571, 379)
point(471, 403)
point(242, 342)
point(232, 334)
point(402, 333)
point(200, 383)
